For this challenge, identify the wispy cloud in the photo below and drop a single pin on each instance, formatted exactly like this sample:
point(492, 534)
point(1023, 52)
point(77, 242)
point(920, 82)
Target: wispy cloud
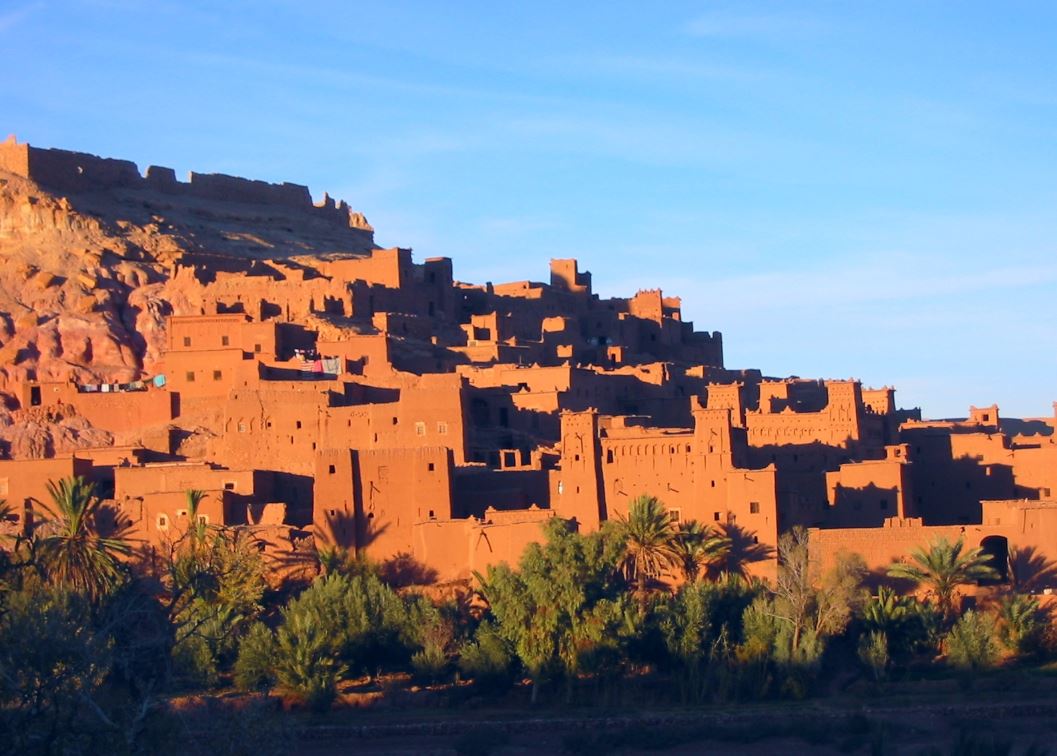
point(12, 18)
point(730, 24)
point(660, 66)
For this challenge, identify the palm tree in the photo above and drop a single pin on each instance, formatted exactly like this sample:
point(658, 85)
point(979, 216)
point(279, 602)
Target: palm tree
point(648, 536)
point(196, 526)
point(943, 566)
point(696, 546)
point(72, 551)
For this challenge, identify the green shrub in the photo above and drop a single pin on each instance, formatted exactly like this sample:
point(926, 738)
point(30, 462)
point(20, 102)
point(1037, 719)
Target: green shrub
point(306, 664)
point(487, 659)
point(194, 666)
point(970, 644)
point(429, 664)
point(51, 661)
point(1022, 624)
point(873, 652)
point(365, 624)
point(255, 665)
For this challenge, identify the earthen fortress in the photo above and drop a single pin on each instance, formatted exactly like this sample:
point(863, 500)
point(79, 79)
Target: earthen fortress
point(234, 337)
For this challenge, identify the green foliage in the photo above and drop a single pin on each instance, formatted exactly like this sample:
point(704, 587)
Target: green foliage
point(810, 608)
point(436, 634)
point(696, 547)
point(873, 652)
point(254, 667)
point(944, 566)
point(305, 663)
point(430, 663)
point(970, 644)
point(487, 659)
point(335, 559)
point(1021, 624)
point(194, 666)
point(699, 626)
point(51, 661)
point(366, 623)
point(564, 611)
point(649, 538)
point(904, 621)
point(216, 583)
point(71, 550)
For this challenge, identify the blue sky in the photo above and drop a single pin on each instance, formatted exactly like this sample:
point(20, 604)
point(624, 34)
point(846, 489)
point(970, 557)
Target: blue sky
point(843, 189)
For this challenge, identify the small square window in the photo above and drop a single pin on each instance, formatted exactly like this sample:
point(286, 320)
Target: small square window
point(190, 376)
point(754, 507)
point(257, 348)
point(442, 428)
point(715, 516)
point(187, 341)
point(217, 375)
point(225, 341)
point(331, 469)
point(229, 486)
point(431, 467)
point(297, 424)
point(420, 429)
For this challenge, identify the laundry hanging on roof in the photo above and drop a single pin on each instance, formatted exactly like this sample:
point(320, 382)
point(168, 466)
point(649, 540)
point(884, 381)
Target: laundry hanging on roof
point(332, 365)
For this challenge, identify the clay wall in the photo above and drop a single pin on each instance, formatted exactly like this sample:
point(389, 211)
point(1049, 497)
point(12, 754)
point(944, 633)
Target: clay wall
point(391, 490)
point(278, 429)
point(24, 486)
point(457, 549)
point(647, 305)
point(180, 478)
point(14, 157)
point(565, 276)
point(954, 471)
point(580, 491)
point(160, 519)
point(367, 354)
point(214, 373)
point(1035, 471)
point(73, 172)
point(219, 332)
point(777, 423)
point(652, 464)
point(120, 412)
point(389, 268)
point(1023, 529)
point(865, 494)
point(477, 489)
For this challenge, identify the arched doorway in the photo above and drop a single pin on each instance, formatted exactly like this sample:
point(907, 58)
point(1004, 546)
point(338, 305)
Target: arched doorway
point(996, 548)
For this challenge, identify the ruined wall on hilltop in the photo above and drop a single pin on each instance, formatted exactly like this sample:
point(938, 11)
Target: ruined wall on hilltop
point(65, 171)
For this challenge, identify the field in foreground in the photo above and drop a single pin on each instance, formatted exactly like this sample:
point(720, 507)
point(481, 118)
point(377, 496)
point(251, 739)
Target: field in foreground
point(1008, 712)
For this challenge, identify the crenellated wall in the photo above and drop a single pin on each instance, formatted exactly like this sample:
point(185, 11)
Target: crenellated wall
point(71, 172)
